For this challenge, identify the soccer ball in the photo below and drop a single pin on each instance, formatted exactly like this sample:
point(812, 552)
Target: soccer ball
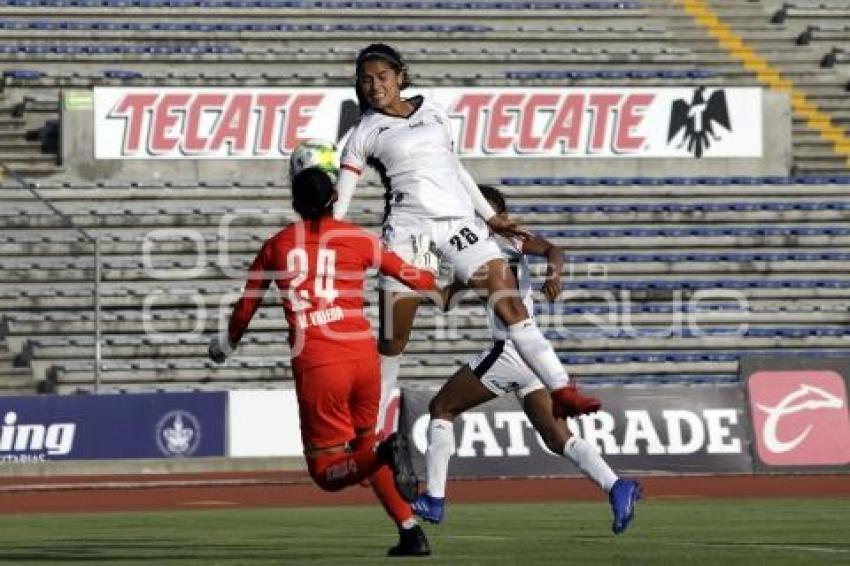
point(318, 153)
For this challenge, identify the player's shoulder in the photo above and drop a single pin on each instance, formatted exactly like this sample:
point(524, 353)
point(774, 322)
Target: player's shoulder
point(368, 121)
point(431, 107)
point(344, 229)
point(285, 234)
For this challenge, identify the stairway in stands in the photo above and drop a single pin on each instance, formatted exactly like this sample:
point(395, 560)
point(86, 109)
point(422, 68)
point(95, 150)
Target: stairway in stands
point(29, 130)
point(787, 44)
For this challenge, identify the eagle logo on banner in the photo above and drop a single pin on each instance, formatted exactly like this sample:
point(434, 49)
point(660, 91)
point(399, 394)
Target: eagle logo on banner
point(697, 120)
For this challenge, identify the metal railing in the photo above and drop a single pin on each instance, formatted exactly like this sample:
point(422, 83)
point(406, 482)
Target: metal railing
point(90, 238)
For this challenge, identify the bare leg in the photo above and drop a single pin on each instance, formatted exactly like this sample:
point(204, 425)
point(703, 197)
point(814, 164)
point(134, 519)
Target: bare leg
point(396, 314)
point(500, 284)
point(498, 281)
point(559, 439)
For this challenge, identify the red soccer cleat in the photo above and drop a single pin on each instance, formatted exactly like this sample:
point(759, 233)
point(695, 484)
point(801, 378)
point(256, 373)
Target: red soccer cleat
point(568, 402)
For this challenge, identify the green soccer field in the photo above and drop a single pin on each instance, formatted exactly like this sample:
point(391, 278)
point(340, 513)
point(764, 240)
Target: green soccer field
point(774, 532)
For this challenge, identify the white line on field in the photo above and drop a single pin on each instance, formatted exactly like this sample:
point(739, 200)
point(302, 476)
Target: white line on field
point(476, 537)
point(770, 546)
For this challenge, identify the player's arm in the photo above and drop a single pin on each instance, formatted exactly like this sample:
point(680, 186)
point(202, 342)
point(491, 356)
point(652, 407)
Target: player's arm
point(554, 255)
point(389, 263)
point(449, 293)
point(258, 281)
point(345, 185)
point(499, 223)
point(352, 162)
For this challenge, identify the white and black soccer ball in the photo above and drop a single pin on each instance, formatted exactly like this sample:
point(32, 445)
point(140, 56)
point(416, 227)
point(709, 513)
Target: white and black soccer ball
point(318, 153)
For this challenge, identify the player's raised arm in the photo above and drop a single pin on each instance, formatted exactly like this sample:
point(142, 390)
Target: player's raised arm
point(352, 162)
point(258, 281)
point(345, 185)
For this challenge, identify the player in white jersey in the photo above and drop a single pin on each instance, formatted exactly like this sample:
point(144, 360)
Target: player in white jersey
point(432, 200)
point(499, 370)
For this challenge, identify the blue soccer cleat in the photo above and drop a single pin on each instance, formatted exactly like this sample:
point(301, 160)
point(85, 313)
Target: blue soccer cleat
point(623, 496)
point(429, 508)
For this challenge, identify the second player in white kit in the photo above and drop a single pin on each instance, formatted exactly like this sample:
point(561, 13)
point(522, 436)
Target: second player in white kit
point(499, 370)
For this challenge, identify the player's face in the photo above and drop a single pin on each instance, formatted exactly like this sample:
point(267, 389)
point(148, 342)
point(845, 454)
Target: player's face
point(380, 83)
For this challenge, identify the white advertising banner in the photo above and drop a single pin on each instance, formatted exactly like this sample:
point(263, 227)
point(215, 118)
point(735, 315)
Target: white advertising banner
point(493, 122)
point(263, 423)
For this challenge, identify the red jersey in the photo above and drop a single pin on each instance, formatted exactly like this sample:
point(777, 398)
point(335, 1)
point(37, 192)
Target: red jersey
point(319, 267)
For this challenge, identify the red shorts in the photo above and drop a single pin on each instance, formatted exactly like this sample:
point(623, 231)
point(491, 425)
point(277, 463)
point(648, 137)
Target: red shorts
point(335, 399)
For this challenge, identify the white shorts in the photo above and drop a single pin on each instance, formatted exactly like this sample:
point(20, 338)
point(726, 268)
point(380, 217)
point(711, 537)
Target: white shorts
point(502, 370)
point(465, 244)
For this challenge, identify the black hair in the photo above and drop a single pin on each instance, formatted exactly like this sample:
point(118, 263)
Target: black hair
point(495, 197)
point(382, 52)
point(312, 193)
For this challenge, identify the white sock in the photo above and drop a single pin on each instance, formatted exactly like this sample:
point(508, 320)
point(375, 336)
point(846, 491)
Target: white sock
point(538, 353)
point(408, 523)
point(390, 367)
point(588, 459)
point(441, 446)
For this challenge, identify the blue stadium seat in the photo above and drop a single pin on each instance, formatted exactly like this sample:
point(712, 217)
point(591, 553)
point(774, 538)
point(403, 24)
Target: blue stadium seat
point(694, 284)
point(122, 74)
point(678, 207)
point(23, 74)
point(688, 181)
point(607, 74)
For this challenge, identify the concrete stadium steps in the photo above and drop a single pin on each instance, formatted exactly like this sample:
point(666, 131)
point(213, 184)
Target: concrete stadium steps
point(40, 354)
point(14, 380)
point(265, 370)
point(151, 326)
point(21, 117)
point(577, 213)
point(404, 13)
point(652, 266)
point(325, 53)
point(154, 387)
point(576, 272)
point(771, 40)
point(488, 53)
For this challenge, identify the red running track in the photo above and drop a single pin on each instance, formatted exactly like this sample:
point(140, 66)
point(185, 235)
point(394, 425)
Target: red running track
point(288, 489)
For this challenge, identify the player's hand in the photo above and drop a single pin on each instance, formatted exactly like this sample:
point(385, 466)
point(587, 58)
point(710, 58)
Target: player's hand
point(501, 224)
point(552, 288)
point(220, 348)
point(423, 256)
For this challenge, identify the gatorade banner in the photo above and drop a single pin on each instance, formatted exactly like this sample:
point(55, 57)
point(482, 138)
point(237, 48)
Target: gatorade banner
point(503, 122)
point(663, 428)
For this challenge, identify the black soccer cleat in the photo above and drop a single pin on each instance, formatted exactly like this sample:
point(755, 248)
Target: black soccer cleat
point(411, 542)
point(394, 450)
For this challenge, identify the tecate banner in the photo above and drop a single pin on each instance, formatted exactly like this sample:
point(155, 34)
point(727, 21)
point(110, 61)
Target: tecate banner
point(592, 122)
point(678, 429)
point(77, 427)
point(799, 411)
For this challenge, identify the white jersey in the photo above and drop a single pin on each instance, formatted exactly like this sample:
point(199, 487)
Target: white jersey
point(512, 252)
point(415, 159)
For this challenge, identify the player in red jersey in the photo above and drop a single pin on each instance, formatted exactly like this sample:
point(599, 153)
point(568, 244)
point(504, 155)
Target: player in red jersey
point(318, 265)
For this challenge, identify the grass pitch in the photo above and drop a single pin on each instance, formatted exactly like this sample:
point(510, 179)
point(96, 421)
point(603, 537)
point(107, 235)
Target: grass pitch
point(691, 532)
